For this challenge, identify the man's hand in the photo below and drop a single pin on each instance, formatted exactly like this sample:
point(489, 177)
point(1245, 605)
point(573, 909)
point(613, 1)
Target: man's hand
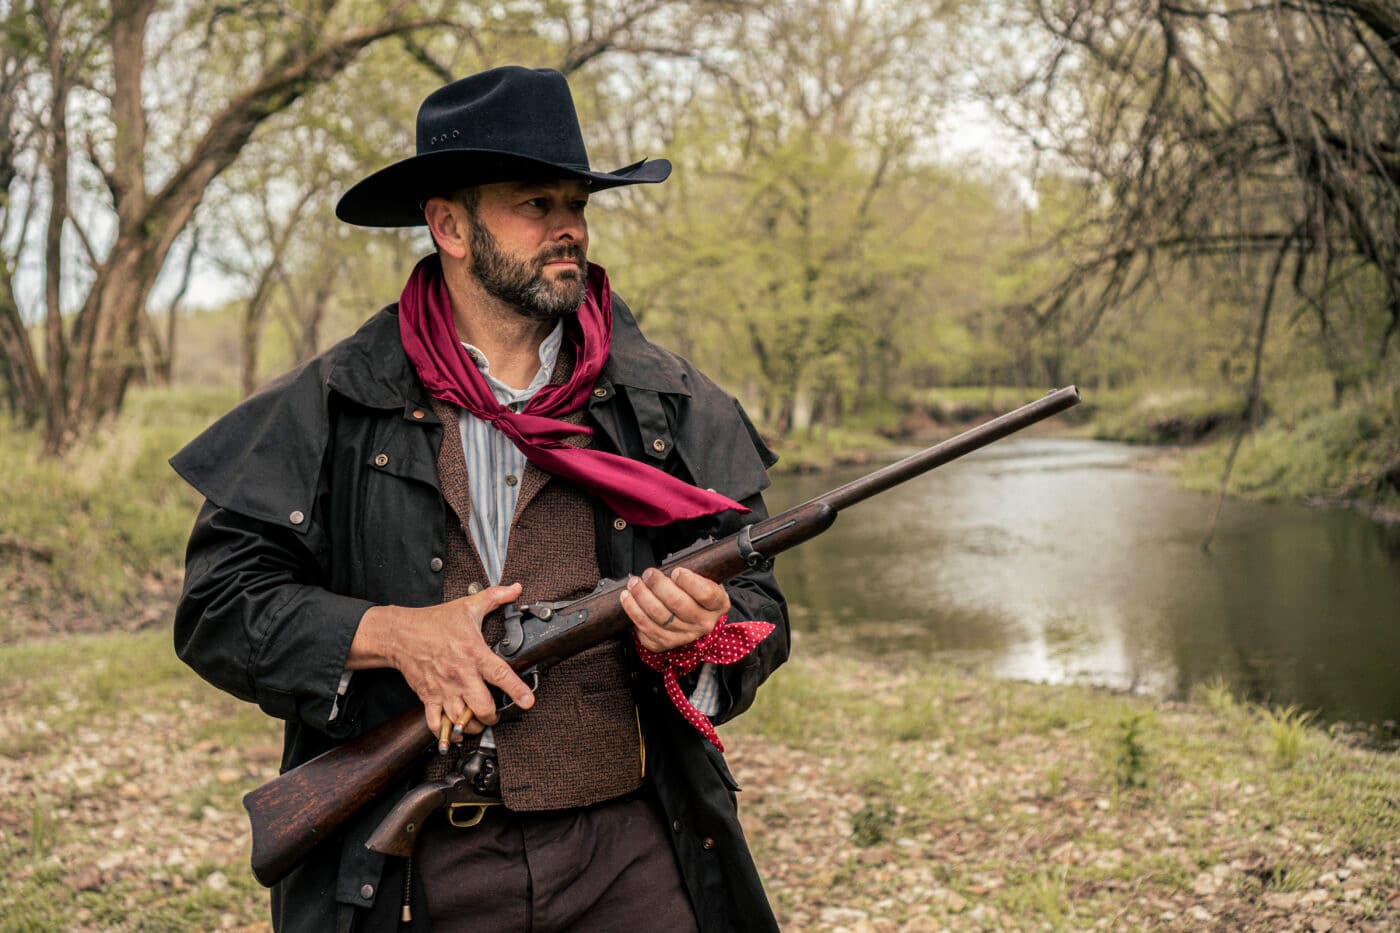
point(672, 611)
point(441, 653)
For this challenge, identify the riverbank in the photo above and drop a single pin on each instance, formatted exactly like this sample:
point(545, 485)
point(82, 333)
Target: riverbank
point(943, 801)
point(1344, 455)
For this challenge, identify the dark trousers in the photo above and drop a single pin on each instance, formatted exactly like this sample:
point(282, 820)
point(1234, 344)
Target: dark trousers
point(608, 867)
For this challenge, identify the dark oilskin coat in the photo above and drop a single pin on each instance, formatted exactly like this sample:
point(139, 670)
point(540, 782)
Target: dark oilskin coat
point(306, 526)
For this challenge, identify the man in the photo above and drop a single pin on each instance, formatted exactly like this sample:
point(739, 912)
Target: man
point(504, 433)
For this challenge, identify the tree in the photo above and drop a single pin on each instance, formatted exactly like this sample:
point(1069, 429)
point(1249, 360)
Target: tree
point(88, 67)
point(795, 216)
point(1259, 138)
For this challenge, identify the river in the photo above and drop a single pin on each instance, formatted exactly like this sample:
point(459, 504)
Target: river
point(1064, 561)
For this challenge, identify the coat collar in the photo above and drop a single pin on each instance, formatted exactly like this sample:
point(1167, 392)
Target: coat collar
point(370, 367)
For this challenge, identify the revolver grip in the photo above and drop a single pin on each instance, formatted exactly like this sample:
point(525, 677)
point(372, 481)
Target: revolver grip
point(397, 833)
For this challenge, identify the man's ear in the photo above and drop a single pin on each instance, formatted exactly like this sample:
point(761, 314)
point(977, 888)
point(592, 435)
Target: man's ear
point(450, 226)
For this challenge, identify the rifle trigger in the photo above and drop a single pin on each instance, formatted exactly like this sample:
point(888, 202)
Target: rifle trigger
point(751, 556)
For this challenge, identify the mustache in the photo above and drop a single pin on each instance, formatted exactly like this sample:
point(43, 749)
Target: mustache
point(576, 254)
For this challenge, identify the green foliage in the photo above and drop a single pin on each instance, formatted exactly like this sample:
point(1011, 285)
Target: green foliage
point(1179, 416)
point(1287, 732)
point(1131, 758)
point(872, 823)
point(111, 519)
point(1351, 450)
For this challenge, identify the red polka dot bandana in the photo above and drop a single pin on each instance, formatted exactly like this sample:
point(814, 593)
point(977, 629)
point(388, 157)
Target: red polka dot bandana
point(727, 643)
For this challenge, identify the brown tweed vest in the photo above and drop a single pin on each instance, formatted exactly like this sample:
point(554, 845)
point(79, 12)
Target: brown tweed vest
point(580, 743)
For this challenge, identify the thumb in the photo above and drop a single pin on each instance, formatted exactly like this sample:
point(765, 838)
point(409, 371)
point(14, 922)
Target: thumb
point(494, 596)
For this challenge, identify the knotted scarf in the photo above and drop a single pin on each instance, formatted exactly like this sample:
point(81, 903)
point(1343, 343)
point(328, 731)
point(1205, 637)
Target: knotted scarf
point(635, 491)
point(726, 643)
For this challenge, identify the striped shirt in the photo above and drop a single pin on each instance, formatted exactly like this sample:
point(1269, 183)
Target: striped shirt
point(494, 468)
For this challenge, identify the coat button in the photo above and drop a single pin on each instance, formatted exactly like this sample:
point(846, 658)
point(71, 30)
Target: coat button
point(382, 460)
point(418, 414)
point(367, 891)
point(435, 565)
point(619, 524)
point(473, 589)
point(297, 517)
point(658, 445)
point(676, 826)
point(600, 392)
point(708, 843)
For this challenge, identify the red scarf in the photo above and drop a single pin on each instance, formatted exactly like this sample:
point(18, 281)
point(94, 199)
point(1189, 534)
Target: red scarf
point(637, 492)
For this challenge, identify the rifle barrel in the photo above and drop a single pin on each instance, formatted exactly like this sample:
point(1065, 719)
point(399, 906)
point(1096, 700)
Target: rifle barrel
point(859, 490)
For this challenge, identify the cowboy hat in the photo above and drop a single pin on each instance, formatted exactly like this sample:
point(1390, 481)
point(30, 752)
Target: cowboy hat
point(505, 124)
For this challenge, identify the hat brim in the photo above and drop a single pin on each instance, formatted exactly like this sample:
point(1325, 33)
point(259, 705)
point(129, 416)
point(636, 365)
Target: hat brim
point(394, 196)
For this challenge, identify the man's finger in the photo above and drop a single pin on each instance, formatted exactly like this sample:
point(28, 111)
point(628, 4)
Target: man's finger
point(495, 596)
point(498, 672)
point(434, 716)
point(656, 607)
point(703, 590)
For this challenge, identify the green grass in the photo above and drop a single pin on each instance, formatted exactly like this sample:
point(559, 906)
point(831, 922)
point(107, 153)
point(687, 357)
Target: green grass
point(110, 515)
point(1351, 451)
point(995, 779)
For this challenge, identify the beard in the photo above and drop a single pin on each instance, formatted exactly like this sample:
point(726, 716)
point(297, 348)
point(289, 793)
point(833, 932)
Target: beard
point(522, 283)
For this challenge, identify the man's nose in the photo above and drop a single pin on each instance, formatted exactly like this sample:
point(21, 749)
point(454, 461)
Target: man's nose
point(570, 226)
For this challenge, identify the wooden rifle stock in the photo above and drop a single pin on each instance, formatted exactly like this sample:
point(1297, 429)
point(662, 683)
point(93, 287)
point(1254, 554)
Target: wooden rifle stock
point(295, 812)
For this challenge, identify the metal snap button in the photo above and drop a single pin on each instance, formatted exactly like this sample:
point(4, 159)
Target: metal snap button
point(418, 414)
point(382, 460)
point(297, 517)
point(435, 565)
point(600, 393)
point(367, 891)
point(619, 524)
point(658, 445)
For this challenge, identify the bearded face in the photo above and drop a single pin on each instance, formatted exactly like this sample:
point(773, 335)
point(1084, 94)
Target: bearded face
point(523, 283)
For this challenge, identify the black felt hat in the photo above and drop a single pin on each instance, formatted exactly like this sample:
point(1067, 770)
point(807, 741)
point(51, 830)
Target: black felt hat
point(506, 124)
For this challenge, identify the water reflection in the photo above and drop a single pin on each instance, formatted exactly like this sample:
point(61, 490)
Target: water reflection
point(1060, 560)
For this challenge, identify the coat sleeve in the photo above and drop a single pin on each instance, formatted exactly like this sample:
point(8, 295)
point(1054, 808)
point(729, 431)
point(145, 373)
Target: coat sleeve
point(722, 450)
point(256, 621)
point(257, 617)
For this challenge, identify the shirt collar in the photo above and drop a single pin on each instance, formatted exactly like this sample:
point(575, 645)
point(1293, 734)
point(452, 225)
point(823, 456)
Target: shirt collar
point(549, 355)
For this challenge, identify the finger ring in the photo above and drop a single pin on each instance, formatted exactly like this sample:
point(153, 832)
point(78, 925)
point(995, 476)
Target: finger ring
point(669, 619)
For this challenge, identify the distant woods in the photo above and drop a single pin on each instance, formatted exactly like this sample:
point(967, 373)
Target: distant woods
point(1182, 193)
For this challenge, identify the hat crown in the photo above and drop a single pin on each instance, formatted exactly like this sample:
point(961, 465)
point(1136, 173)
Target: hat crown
point(510, 110)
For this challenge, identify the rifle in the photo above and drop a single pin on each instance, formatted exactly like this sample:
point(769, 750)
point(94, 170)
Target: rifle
point(296, 811)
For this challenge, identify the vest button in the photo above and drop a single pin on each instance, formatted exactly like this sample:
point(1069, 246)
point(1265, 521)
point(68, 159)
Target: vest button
point(297, 517)
point(473, 589)
point(435, 565)
point(619, 524)
point(658, 445)
point(367, 891)
point(382, 460)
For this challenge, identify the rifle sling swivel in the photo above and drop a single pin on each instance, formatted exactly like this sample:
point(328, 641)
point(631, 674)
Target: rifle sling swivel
point(751, 556)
